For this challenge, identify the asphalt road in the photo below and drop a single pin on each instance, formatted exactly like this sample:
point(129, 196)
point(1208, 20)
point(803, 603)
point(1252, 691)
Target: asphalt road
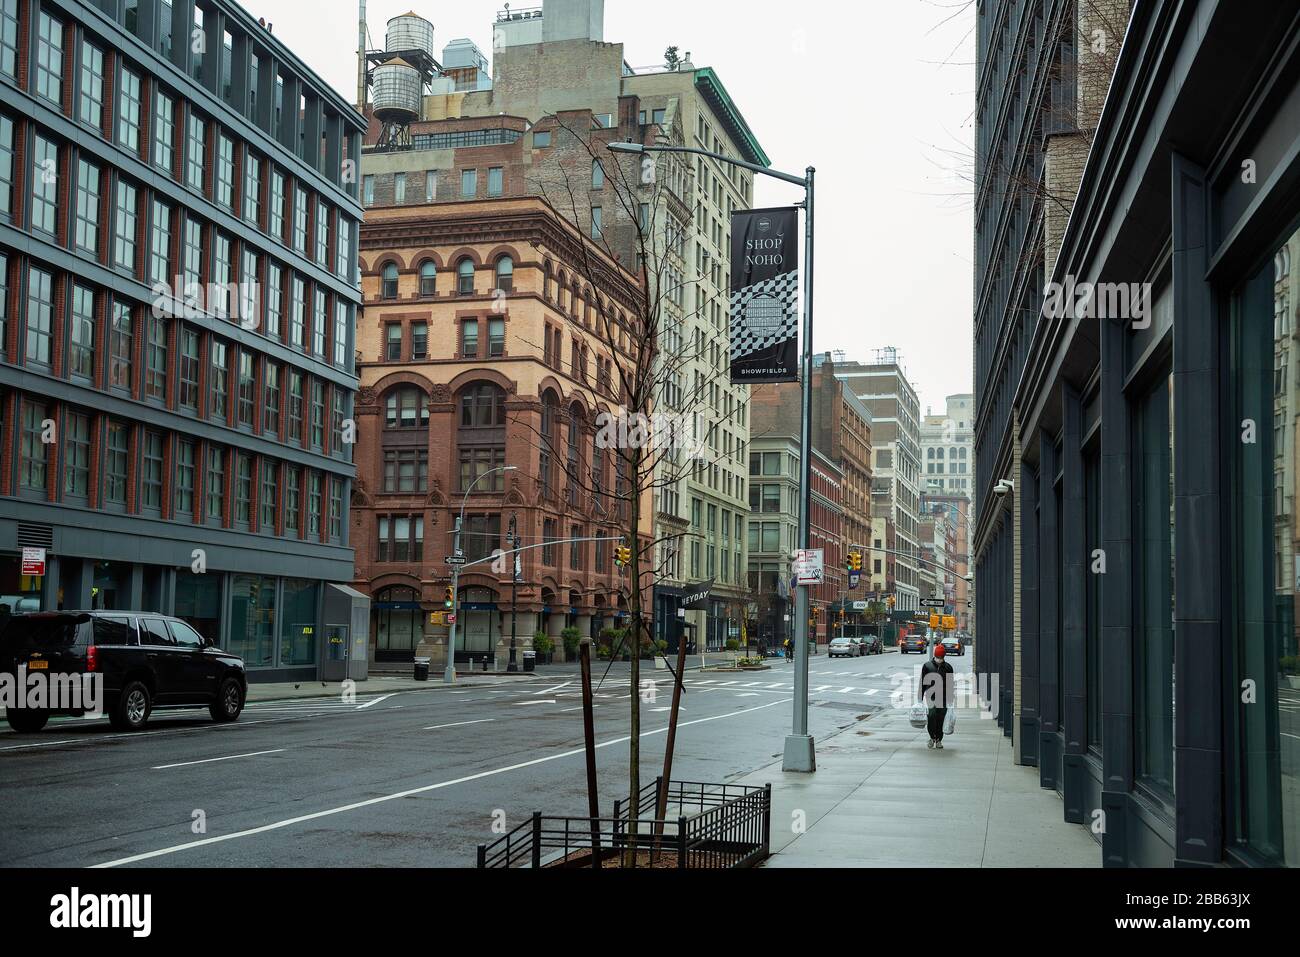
point(410, 779)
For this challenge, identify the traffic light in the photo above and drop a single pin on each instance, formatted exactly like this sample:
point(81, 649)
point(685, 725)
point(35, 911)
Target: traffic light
point(622, 556)
point(892, 601)
point(855, 561)
point(449, 599)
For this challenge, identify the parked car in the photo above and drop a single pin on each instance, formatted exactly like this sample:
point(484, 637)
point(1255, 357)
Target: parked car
point(872, 644)
point(910, 643)
point(148, 662)
point(842, 647)
point(952, 645)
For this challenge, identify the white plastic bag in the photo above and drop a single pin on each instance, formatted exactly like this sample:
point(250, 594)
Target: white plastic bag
point(950, 721)
point(918, 715)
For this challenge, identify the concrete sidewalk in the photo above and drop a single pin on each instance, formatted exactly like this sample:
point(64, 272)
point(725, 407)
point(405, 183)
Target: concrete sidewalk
point(880, 798)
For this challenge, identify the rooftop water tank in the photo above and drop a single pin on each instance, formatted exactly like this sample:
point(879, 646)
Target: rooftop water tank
point(409, 32)
point(396, 96)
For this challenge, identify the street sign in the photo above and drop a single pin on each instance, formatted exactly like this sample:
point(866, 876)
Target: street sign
point(451, 619)
point(455, 559)
point(855, 579)
point(859, 606)
point(809, 566)
point(932, 602)
point(34, 561)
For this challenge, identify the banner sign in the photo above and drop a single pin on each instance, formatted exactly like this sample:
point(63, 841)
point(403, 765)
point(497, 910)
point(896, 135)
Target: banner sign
point(765, 295)
point(697, 596)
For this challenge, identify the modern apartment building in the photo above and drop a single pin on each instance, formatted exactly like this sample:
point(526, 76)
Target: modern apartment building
point(897, 477)
point(556, 84)
point(178, 239)
point(1137, 590)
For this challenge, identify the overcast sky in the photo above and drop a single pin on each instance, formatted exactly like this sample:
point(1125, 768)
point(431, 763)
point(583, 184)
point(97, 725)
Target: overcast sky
point(879, 96)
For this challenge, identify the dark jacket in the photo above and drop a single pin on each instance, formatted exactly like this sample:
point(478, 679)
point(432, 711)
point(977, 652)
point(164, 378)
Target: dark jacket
point(936, 687)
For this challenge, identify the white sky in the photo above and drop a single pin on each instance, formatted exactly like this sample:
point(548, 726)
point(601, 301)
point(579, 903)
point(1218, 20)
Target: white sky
point(878, 95)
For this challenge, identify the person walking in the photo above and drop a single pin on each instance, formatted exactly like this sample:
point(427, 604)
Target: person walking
point(935, 691)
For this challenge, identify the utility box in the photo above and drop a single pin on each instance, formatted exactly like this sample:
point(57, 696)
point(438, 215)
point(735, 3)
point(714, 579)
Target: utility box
point(346, 651)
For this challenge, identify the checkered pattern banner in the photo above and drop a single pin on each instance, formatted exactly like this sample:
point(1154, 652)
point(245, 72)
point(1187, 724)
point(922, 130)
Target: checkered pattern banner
point(764, 318)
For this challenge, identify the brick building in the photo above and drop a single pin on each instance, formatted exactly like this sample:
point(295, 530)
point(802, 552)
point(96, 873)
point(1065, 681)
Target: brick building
point(482, 347)
point(177, 255)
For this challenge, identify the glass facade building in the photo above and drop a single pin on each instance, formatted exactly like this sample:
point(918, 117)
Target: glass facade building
point(162, 420)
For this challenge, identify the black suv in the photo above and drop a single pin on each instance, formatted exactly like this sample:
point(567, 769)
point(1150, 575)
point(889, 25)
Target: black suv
point(147, 661)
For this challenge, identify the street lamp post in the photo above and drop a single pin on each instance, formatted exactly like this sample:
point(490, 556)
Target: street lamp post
point(800, 753)
point(449, 674)
point(514, 586)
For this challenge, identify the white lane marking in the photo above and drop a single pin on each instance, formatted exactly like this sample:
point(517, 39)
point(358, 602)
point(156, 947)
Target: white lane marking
point(683, 708)
point(873, 691)
point(723, 684)
point(778, 684)
point(289, 822)
point(748, 694)
point(371, 704)
point(229, 757)
point(579, 708)
point(555, 688)
point(526, 703)
point(823, 688)
point(845, 690)
point(137, 736)
point(459, 724)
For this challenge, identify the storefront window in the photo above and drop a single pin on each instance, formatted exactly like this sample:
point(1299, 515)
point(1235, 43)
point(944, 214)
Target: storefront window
point(398, 624)
point(1264, 772)
point(298, 623)
point(1153, 638)
point(252, 619)
point(198, 603)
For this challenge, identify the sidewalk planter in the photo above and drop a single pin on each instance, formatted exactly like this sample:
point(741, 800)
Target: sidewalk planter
point(707, 827)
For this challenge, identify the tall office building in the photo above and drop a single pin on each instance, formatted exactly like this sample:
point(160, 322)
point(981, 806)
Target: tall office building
point(178, 242)
point(947, 448)
point(897, 477)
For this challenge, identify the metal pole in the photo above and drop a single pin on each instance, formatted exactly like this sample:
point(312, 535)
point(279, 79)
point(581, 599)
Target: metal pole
point(800, 754)
point(589, 743)
point(514, 587)
point(662, 809)
point(449, 673)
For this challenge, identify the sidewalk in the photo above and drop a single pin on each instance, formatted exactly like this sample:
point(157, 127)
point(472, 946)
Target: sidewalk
point(879, 798)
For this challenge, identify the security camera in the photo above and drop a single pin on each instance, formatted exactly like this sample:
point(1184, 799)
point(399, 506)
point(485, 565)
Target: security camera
point(1004, 487)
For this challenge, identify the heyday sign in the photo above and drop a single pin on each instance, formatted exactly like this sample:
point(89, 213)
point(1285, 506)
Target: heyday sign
point(765, 295)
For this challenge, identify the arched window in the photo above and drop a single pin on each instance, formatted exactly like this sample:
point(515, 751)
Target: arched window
point(506, 274)
point(481, 436)
point(405, 408)
point(428, 279)
point(546, 290)
point(389, 281)
point(465, 277)
point(546, 460)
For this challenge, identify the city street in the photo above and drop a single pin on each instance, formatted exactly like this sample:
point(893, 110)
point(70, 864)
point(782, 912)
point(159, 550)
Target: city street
point(405, 779)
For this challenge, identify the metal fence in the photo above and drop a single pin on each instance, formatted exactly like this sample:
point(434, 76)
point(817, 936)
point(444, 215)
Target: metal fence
point(729, 826)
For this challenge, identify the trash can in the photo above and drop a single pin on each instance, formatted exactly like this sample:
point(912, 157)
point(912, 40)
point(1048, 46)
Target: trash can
point(421, 669)
point(530, 661)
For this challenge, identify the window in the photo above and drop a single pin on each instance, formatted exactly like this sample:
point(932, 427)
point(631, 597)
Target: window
point(216, 485)
point(313, 505)
point(482, 536)
point(495, 181)
point(219, 373)
point(243, 488)
point(317, 414)
point(296, 398)
point(151, 481)
point(430, 186)
point(164, 131)
point(344, 264)
point(183, 498)
point(275, 221)
point(596, 217)
point(221, 272)
point(393, 342)
point(419, 340)
point(318, 321)
point(505, 274)
point(399, 188)
point(271, 399)
point(125, 226)
point(8, 37)
point(76, 455)
point(45, 184)
point(406, 409)
point(541, 140)
point(336, 517)
point(192, 264)
point(368, 190)
point(155, 366)
point(428, 279)
point(225, 171)
point(49, 59)
point(160, 244)
point(81, 353)
point(575, 548)
point(245, 398)
point(469, 338)
point(128, 112)
point(597, 175)
point(603, 121)
point(469, 183)
point(465, 277)
point(252, 186)
point(389, 282)
point(115, 463)
point(300, 219)
point(401, 538)
point(34, 448)
point(1092, 588)
point(267, 497)
point(298, 312)
point(322, 233)
point(292, 500)
point(90, 108)
point(496, 337)
point(406, 470)
point(195, 152)
point(40, 316)
point(341, 326)
point(6, 165)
